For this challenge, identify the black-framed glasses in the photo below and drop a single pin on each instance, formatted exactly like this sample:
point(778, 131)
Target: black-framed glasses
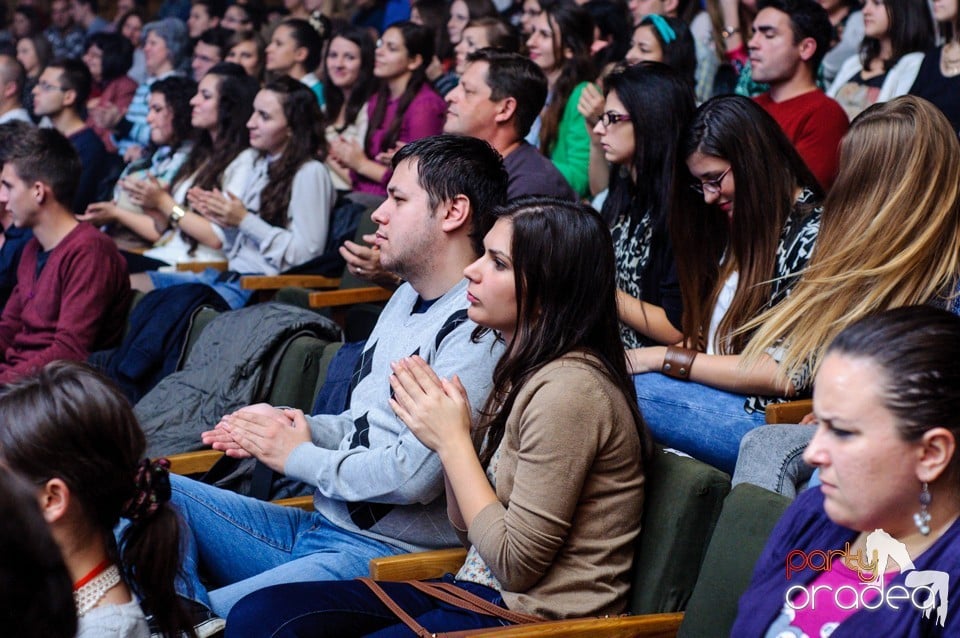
point(610, 118)
point(46, 86)
point(711, 186)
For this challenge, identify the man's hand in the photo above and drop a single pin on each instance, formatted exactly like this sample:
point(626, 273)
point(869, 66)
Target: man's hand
point(268, 437)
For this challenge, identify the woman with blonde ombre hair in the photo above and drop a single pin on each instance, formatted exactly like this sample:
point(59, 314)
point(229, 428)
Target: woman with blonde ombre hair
point(890, 236)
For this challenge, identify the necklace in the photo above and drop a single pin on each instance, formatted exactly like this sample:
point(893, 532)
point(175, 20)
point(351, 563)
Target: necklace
point(90, 590)
point(950, 59)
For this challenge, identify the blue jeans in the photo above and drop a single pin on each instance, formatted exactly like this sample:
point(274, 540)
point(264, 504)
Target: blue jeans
point(701, 421)
point(228, 288)
point(241, 544)
point(350, 608)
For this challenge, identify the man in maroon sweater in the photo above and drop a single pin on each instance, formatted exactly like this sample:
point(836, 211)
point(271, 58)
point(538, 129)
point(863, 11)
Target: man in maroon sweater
point(73, 289)
point(789, 41)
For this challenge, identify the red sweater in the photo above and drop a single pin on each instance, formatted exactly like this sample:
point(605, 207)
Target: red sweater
point(815, 124)
point(78, 304)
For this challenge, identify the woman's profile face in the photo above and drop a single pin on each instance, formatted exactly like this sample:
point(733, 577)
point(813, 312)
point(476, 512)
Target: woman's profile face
point(246, 55)
point(876, 21)
point(617, 138)
point(492, 292)
point(644, 46)
point(282, 51)
point(160, 119)
point(93, 58)
point(868, 472)
point(945, 11)
point(543, 43)
point(27, 55)
point(205, 104)
point(473, 38)
point(268, 126)
point(392, 59)
point(459, 17)
point(714, 177)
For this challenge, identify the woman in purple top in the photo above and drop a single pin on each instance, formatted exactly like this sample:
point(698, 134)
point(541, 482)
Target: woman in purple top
point(887, 402)
point(405, 108)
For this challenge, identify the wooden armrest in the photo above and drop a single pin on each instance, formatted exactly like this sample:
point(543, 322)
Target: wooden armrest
point(646, 626)
point(200, 266)
point(193, 462)
point(789, 412)
point(300, 502)
point(417, 566)
point(329, 298)
point(276, 282)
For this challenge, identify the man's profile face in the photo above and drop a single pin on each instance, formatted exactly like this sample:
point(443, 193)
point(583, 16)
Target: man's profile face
point(470, 111)
point(408, 228)
point(17, 197)
point(774, 56)
point(48, 94)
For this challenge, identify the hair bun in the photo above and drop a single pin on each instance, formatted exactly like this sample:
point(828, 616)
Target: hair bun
point(152, 485)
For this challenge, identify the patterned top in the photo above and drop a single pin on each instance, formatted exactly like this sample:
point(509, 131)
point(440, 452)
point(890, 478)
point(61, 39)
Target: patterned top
point(797, 241)
point(474, 569)
point(631, 249)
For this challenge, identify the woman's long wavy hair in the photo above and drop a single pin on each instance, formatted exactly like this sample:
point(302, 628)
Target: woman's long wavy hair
point(70, 423)
point(418, 41)
point(768, 172)
point(361, 90)
point(889, 236)
point(305, 125)
point(210, 157)
point(572, 29)
point(177, 92)
point(557, 241)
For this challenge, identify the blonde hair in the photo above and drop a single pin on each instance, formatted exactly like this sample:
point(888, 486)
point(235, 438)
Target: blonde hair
point(889, 236)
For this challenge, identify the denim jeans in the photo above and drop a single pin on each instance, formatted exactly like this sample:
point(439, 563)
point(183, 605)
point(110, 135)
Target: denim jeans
point(772, 457)
point(241, 544)
point(350, 608)
point(701, 421)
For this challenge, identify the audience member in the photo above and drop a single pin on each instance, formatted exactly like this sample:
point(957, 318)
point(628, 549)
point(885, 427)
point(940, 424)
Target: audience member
point(241, 17)
point(131, 27)
point(789, 40)
point(12, 79)
point(459, 14)
point(433, 14)
point(547, 553)
point(34, 54)
point(247, 49)
point(497, 100)
point(531, 9)
point(74, 437)
point(296, 49)
point(612, 29)
point(14, 238)
point(109, 57)
point(739, 249)
point(27, 21)
point(482, 33)
point(61, 95)
point(281, 215)
point(896, 34)
point(648, 107)
point(64, 34)
point(209, 49)
point(938, 79)
point(642, 8)
point(34, 583)
point(666, 40)
point(85, 16)
point(886, 401)
point(379, 490)
point(347, 85)
point(560, 46)
point(846, 19)
point(72, 290)
point(204, 14)
point(404, 109)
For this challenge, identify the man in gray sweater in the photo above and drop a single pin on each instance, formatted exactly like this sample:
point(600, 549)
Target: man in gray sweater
point(379, 491)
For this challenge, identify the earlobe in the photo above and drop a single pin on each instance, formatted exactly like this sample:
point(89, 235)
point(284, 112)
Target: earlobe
point(938, 447)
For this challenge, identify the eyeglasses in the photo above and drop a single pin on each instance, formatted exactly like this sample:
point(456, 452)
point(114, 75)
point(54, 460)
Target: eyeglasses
point(46, 86)
point(610, 118)
point(711, 186)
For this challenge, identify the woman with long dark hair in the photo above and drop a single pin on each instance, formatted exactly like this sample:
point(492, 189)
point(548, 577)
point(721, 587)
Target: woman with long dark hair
point(550, 506)
point(648, 106)
point(75, 438)
point(347, 85)
point(296, 49)
point(560, 46)
point(109, 57)
point(740, 247)
point(404, 109)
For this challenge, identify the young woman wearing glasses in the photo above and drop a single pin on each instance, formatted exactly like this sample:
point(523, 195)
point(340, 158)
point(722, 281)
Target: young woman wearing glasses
point(742, 234)
point(647, 108)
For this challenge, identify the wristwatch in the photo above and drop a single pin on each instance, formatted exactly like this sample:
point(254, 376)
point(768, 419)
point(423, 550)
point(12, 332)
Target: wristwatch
point(176, 215)
point(729, 32)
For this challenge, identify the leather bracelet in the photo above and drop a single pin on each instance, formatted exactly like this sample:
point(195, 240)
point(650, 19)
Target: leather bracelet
point(677, 362)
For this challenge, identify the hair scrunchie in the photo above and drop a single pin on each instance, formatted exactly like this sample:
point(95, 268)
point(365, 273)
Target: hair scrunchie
point(152, 484)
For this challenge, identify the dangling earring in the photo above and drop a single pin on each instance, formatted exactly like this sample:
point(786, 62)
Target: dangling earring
point(922, 518)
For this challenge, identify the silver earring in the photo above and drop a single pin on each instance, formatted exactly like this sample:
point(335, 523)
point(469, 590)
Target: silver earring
point(922, 518)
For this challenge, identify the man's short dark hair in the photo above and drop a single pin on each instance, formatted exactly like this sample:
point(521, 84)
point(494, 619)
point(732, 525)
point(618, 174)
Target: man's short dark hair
point(75, 76)
point(516, 76)
point(45, 155)
point(13, 71)
point(807, 20)
point(451, 165)
point(217, 37)
point(93, 4)
point(215, 8)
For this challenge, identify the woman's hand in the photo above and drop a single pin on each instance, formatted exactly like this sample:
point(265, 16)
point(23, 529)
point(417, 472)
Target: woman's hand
point(590, 105)
point(436, 410)
point(106, 116)
point(223, 209)
point(641, 360)
point(386, 157)
point(99, 213)
point(347, 152)
point(146, 193)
